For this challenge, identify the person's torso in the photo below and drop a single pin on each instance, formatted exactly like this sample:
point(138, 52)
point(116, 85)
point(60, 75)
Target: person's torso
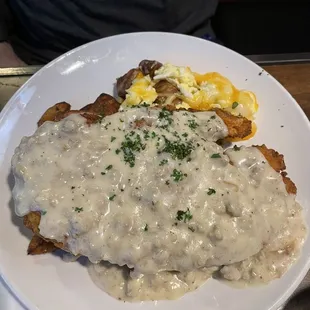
point(55, 26)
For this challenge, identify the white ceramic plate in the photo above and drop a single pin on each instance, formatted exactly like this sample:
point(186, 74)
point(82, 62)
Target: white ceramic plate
point(46, 282)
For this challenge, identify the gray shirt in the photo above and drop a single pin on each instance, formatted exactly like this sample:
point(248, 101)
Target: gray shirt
point(43, 30)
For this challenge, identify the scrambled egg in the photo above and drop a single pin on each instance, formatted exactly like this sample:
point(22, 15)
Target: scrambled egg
point(141, 91)
point(197, 91)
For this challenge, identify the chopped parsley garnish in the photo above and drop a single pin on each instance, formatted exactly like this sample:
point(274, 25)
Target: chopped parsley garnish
point(112, 197)
point(213, 117)
point(109, 167)
point(211, 191)
point(113, 138)
point(103, 173)
point(185, 134)
point(117, 151)
point(192, 124)
point(153, 134)
point(184, 216)
point(144, 104)
point(236, 148)
point(72, 187)
point(130, 145)
point(215, 155)
point(165, 115)
point(235, 104)
point(163, 162)
point(177, 149)
point(178, 175)
point(43, 212)
point(122, 121)
point(167, 182)
point(78, 210)
point(146, 227)
point(191, 229)
point(146, 134)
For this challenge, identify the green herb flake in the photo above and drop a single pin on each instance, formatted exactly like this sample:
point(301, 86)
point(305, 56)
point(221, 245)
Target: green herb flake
point(192, 124)
point(215, 155)
point(165, 115)
point(177, 149)
point(211, 191)
point(185, 134)
point(163, 162)
point(178, 175)
point(191, 229)
point(237, 148)
point(103, 173)
point(153, 135)
point(146, 227)
point(109, 167)
point(184, 216)
point(117, 151)
point(146, 134)
point(43, 212)
point(113, 138)
point(78, 210)
point(130, 146)
point(122, 121)
point(112, 197)
point(213, 117)
point(235, 104)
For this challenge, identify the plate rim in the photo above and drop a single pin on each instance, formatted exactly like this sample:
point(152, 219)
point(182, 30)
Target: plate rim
point(12, 288)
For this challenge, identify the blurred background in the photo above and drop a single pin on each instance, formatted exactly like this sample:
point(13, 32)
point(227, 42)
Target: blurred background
point(253, 27)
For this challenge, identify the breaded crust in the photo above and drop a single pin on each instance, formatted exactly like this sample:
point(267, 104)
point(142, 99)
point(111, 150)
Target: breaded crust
point(238, 126)
point(38, 245)
point(276, 161)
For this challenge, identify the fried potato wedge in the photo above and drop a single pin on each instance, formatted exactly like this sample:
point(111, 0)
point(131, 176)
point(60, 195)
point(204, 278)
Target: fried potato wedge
point(125, 81)
point(104, 105)
point(54, 112)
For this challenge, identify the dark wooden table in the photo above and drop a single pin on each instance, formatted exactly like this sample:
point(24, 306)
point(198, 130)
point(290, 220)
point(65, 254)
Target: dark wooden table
point(296, 79)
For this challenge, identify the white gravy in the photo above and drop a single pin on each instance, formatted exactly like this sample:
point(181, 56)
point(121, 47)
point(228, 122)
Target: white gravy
point(157, 197)
point(122, 284)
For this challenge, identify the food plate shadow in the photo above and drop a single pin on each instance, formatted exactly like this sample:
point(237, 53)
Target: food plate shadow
point(69, 258)
point(17, 221)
